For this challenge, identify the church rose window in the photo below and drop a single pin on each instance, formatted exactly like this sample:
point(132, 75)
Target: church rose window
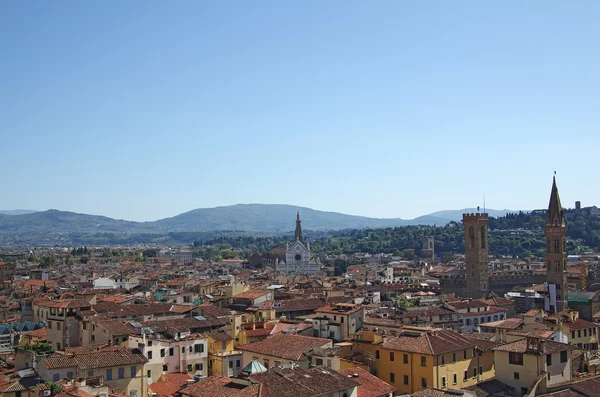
point(298, 257)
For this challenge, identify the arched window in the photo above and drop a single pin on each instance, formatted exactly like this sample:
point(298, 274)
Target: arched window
point(564, 245)
point(556, 247)
point(165, 368)
point(472, 237)
point(483, 236)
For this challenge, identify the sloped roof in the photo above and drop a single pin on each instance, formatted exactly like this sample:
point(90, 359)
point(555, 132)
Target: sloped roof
point(290, 347)
point(368, 385)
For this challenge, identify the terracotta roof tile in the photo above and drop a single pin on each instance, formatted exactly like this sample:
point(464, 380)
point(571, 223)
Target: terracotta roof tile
point(290, 347)
point(368, 385)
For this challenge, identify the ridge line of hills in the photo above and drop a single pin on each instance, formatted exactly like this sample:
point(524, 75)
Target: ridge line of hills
point(54, 226)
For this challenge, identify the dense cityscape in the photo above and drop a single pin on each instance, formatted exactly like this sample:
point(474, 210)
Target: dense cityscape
point(205, 319)
point(299, 199)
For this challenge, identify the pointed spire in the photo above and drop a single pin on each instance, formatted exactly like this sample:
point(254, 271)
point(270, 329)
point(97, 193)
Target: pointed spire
point(298, 232)
point(555, 214)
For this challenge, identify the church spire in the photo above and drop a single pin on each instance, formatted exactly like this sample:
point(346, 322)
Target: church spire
point(555, 214)
point(298, 232)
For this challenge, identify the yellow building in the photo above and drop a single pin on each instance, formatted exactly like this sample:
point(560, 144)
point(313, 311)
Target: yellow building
point(223, 359)
point(531, 365)
point(442, 359)
point(121, 368)
point(581, 333)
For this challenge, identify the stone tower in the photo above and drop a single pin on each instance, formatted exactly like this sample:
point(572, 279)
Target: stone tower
point(298, 232)
point(476, 253)
point(556, 252)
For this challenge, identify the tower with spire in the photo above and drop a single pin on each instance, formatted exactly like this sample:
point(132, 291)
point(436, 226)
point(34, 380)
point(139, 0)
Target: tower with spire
point(297, 255)
point(298, 232)
point(556, 251)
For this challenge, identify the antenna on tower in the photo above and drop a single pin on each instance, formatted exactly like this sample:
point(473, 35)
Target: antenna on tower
point(484, 204)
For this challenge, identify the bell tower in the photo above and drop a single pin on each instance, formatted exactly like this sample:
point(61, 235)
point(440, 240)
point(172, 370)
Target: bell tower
point(476, 253)
point(298, 232)
point(556, 252)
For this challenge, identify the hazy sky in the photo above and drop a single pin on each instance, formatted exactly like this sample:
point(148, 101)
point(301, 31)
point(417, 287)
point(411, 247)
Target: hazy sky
point(145, 109)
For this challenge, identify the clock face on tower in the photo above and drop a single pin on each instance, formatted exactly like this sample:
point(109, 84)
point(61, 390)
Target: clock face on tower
point(297, 257)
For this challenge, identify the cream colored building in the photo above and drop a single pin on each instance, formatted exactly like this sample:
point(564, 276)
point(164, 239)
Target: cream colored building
point(533, 364)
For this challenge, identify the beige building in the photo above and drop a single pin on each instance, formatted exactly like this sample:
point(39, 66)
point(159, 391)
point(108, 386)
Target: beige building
point(187, 353)
point(339, 321)
point(533, 364)
point(62, 320)
point(121, 368)
point(282, 349)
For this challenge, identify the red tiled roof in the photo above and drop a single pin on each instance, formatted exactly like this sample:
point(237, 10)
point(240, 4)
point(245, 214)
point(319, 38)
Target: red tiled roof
point(368, 385)
point(290, 347)
point(251, 294)
point(436, 343)
point(218, 386)
point(509, 323)
point(521, 346)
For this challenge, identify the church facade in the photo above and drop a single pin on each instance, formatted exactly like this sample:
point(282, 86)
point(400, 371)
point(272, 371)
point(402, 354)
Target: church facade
point(297, 255)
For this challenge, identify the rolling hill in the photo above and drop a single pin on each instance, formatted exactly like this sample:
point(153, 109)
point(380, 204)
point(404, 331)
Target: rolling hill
point(62, 227)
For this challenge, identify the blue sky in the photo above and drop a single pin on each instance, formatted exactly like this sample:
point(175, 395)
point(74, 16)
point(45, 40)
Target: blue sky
point(146, 109)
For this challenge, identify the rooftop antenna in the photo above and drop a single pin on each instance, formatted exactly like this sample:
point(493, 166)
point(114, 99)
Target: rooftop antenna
point(484, 203)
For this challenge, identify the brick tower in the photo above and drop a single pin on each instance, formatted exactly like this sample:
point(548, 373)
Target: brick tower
point(556, 252)
point(476, 254)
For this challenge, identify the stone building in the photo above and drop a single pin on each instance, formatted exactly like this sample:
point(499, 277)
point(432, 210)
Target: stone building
point(556, 252)
point(476, 254)
point(297, 255)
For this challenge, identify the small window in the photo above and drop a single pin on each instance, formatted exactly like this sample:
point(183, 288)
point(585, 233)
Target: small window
point(515, 358)
point(392, 377)
point(454, 379)
point(443, 359)
point(391, 356)
point(480, 370)
point(230, 363)
point(58, 325)
point(444, 382)
point(423, 361)
point(149, 354)
point(475, 372)
point(405, 380)
point(377, 354)
point(121, 372)
point(109, 374)
point(162, 352)
point(464, 354)
point(453, 357)
point(171, 351)
point(405, 358)
point(133, 371)
point(466, 376)
point(516, 375)
point(70, 375)
point(55, 377)
point(548, 359)
point(423, 382)
point(564, 356)
point(149, 374)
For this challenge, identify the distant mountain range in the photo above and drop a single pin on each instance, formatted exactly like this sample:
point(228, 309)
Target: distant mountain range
point(16, 212)
point(61, 227)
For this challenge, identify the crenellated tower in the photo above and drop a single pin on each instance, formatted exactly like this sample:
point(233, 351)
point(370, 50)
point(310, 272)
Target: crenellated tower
point(476, 254)
point(556, 251)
